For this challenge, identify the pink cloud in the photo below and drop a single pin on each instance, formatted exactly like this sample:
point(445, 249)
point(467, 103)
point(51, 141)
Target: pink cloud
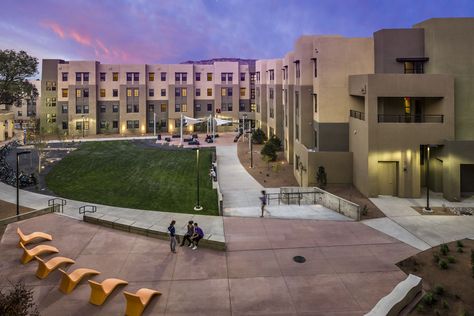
point(56, 28)
point(80, 38)
point(102, 46)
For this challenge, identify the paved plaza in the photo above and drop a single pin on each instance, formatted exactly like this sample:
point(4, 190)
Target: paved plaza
point(348, 268)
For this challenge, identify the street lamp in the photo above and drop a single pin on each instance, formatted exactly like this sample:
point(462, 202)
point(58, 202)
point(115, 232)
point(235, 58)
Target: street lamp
point(198, 206)
point(83, 120)
point(18, 154)
point(428, 208)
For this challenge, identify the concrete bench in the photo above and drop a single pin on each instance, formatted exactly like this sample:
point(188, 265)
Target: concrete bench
point(100, 291)
point(29, 254)
point(137, 302)
point(45, 268)
point(402, 295)
point(70, 281)
point(155, 231)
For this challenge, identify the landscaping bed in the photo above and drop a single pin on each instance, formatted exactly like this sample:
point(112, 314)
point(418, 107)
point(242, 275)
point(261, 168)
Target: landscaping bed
point(448, 279)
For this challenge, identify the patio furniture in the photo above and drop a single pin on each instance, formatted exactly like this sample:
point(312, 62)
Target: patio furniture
point(45, 268)
point(26, 239)
point(137, 302)
point(29, 254)
point(69, 281)
point(100, 291)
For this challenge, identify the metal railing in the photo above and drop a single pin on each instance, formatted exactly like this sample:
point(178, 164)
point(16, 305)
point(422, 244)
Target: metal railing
point(87, 209)
point(358, 115)
point(404, 118)
point(57, 202)
point(293, 197)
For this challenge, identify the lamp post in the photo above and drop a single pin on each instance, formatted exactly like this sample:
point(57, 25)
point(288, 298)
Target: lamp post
point(83, 120)
point(243, 126)
point(427, 208)
point(154, 123)
point(198, 206)
point(18, 154)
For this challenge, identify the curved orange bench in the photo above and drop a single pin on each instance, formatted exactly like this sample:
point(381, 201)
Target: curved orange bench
point(29, 254)
point(100, 291)
point(69, 281)
point(45, 268)
point(26, 239)
point(137, 302)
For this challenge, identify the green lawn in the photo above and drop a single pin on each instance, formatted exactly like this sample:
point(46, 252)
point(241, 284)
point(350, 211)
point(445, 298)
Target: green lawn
point(127, 174)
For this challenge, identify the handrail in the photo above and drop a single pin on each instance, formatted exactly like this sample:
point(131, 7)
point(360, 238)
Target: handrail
point(290, 196)
point(357, 114)
point(407, 118)
point(84, 209)
point(53, 202)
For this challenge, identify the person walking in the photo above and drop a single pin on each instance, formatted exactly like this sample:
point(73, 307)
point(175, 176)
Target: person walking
point(197, 236)
point(263, 200)
point(172, 233)
point(188, 235)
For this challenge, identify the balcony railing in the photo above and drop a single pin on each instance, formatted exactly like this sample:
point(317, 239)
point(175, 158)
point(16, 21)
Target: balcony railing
point(404, 118)
point(358, 115)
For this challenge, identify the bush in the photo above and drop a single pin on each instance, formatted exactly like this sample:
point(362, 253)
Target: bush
point(439, 289)
point(459, 244)
point(18, 301)
point(269, 150)
point(321, 177)
point(445, 304)
point(364, 210)
point(258, 136)
point(420, 308)
point(443, 264)
point(451, 259)
point(428, 299)
point(436, 257)
point(275, 141)
point(444, 249)
point(460, 250)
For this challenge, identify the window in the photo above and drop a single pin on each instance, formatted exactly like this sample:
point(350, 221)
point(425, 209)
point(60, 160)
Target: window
point(242, 92)
point(163, 123)
point(79, 125)
point(163, 76)
point(177, 92)
point(64, 93)
point(198, 92)
point(133, 124)
point(223, 77)
point(150, 123)
point(103, 124)
point(223, 92)
point(85, 93)
point(151, 92)
point(78, 93)
point(65, 76)
point(184, 108)
point(270, 92)
point(198, 76)
point(64, 124)
point(315, 61)
point(242, 107)
point(252, 78)
point(136, 108)
point(209, 76)
point(177, 123)
point(297, 69)
point(151, 108)
point(412, 67)
point(257, 75)
point(114, 124)
point(129, 76)
point(64, 109)
point(184, 92)
point(102, 108)
point(297, 104)
point(86, 109)
point(197, 107)
point(209, 107)
point(163, 92)
point(19, 113)
point(115, 108)
point(272, 112)
point(229, 107)
point(78, 109)
point(184, 77)
point(136, 77)
point(102, 93)
point(163, 107)
point(78, 76)
point(151, 76)
point(252, 93)
point(102, 76)
point(229, 92)
point(135, 92)
point(129, 108)
point(115, 92)
point(129, 92)
point(85, 76)
point(53, 101)
point(177, 76)
point(242, 76)
point(177, 108)
point(209, 92)
point(253, 107)
point(271, 74)
point(115, 76)
point(181, 77)
point(283, 73)
point(315, 102)
point(229, 77)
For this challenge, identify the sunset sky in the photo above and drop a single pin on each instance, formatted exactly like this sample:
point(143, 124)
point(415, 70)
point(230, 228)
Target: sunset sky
point(140, 31)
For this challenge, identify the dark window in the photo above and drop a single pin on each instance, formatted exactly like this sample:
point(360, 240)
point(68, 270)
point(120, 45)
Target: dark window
point(184, 77)
point(114, 124)
point(198, 76)
point(229, 77)
point(79, 125)
point(64, 109)
point(64, 76)
point(78, 109)
point(129, 76)
point(271, 93)
point(163, 76)
point(151, 92)
point(242, 107)
point(102, 108)
point(85, 76)
point(272, 74)
point(136, 76)
point(252, 93)
point(297, 69)
point(103, 124)
point(163, 123)
point(177, 76)
point(177, 108)
point(115, 76)
point(315, 67)
point(85, 93)
point(86, 109)
point(64, 124)
point(151, 108)
point(223, 76)
point(129, 108)
point(102, 76)
point(229, 92)
point(198, 107)
point(78, 76)
point(136, 108)
point(163, 92)
point(115, 92)
point(198, 92)
point(257, 76)
point(242, 76)
point(115, 108)
point(177, 92)
point(209, 107)
point(413, 67)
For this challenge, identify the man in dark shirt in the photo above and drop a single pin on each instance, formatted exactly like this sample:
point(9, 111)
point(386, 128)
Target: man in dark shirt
point(188, 234)
point(172, 233)
point(197, 236)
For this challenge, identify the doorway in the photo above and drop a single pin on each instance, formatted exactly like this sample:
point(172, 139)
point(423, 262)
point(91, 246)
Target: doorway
point(387, 178)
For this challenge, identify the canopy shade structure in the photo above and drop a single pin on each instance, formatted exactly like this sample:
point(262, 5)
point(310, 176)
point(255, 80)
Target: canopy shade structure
point(192, 120)
point(222, 122)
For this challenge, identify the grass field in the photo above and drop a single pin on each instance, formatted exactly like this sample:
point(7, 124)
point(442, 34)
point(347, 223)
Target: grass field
point(127, 174)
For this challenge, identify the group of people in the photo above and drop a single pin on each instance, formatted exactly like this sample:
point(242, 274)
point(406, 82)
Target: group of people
point(193, 235)
point(213, 172)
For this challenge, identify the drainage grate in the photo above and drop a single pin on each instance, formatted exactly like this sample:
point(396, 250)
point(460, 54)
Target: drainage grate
point(299, 259)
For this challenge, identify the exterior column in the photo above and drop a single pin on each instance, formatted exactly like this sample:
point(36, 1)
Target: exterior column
point(2, 131)
point(10, 128)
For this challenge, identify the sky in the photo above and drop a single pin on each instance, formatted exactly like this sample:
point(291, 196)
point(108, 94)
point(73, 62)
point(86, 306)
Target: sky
point(173, 31)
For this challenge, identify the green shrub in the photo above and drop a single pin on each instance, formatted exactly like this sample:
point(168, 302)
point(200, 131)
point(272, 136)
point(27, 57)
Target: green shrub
point(460, 250)
point(459, 244)
point(443, 264)
point(420, 308)
point(321, 177)
point(445, 304)
point(275, 141)
point(269, 150)
point(364, 210)
point(438, 289)
point(451, 259)
point(444, 249)
point(428, 299)
point(17, 301)
point(436, 257)
point(258, 136)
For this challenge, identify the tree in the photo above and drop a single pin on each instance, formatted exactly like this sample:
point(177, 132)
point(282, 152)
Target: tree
point(321, 177)
point(15, 68)
point(258, 136)
point(275, 141)
point(17, 301)
point(269, 150)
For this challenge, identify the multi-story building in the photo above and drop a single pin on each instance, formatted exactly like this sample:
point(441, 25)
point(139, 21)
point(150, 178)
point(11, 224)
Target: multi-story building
point(88, 98)
point(28, 111)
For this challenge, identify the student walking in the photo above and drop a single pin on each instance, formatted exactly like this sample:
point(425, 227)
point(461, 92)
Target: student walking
point(197, 236)
point(188, 234)
point(172, 233)
point(263, 200)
